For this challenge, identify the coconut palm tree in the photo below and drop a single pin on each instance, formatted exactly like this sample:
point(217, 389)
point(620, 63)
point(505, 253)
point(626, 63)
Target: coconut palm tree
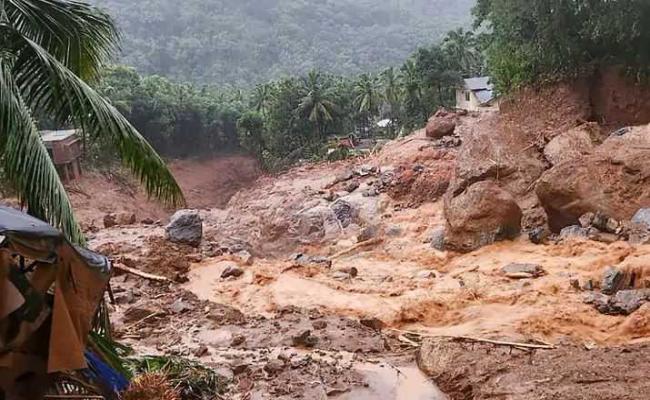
point(317, 102)
point(368, 98)
point(461, 46)
point(49, 51)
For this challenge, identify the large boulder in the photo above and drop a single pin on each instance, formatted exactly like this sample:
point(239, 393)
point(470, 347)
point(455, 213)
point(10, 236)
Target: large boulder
point(442, 124)
point(318, 223)
point(185, 227)
point(481, 215)
point(572, 144)
point(613, 181)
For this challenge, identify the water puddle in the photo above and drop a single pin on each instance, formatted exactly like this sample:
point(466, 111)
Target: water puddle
point(390, 383)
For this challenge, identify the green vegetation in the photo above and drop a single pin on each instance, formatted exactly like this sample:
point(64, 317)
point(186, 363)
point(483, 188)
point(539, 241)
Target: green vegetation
point(292, 118)
point(530, 41)
point(48, 50)
point(247, 42)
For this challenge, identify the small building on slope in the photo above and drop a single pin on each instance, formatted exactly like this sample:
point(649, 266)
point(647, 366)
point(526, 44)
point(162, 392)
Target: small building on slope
point(65, 150)
point(476, 94)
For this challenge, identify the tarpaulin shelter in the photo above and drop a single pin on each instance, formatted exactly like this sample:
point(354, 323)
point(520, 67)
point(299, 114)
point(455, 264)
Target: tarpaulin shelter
point(49, 292)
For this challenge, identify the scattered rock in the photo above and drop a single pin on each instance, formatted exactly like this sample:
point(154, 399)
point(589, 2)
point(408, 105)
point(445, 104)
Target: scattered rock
point(481, 215)
point(319, 325)
point(232, 271)
point(613, 281)
point(245, 257)
point(343, 211)
point(274, 367)
point(574, 231)
point(571, 145)
point(201, 351)
point(304, 339)
point(352, 186)
point(126, 219)
point(522, 271)
point(575, 283)
point(642, 217)
point(604, 223)
point(304, 260)
point(110, 221)
point(625, 302)
point(393, 231)
point(443, 123)
point(185, 227)
point(180, 306)
point(603, 237)
point(373, 323)
point(348, 272)
point(367, 233)
point(237, 340)
point(538, 235)
point(147, 221)
point(239, 367)
point(426, 274)
point(438, 238)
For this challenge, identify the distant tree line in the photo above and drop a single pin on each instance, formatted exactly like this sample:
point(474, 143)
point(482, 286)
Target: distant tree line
point(291, 118)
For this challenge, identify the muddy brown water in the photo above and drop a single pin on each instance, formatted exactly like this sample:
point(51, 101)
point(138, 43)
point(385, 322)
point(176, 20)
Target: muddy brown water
point(387, 383)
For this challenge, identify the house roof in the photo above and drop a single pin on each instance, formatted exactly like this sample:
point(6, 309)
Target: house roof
point(57, 136)
point(478, 83)
point(484, 96)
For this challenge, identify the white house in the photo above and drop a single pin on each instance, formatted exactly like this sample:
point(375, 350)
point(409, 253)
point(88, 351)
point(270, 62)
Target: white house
point(476, 94)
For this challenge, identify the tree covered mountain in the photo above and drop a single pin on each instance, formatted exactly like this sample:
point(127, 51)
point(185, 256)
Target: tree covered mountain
point(243, 42)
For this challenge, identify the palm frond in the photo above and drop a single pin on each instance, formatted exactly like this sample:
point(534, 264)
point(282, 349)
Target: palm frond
point(27, 164)
point(77, 34)
point(53, 87)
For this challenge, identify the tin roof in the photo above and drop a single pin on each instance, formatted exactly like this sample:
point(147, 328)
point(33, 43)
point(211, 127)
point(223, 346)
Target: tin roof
point(478, 83)
point(57, 136)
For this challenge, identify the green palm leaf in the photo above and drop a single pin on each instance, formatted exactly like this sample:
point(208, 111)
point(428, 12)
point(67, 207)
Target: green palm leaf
point(27, 164)
point(47, 49)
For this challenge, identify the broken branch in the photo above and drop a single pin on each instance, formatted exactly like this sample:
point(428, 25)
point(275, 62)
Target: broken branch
point(139, 273)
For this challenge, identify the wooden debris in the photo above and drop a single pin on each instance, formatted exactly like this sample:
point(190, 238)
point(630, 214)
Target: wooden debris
point(141, 274)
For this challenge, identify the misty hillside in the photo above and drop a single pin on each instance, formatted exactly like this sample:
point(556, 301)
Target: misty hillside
point(248, 41)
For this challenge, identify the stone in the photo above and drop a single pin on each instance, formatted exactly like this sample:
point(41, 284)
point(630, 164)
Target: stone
point(304, 260)
point(245, 257)
point(367, 233)
point(304, 339)
point(126, 219)
point(611, 181)
point(575, 283)
point(426, 274)
point(438, 238)
point(573, 232)
point(352, 186)
point(393, 231)
point(603, 237)
point(185, 227)
point(604, 223)
point(147, 221)
point(343, 211)
point(481, 215)
point(571, 144)
point(625, 302)
point(613, 280)
point(319, 325)
point(598, 300)
point(350, 272)
point(201, 351)
point(274, 367)
point(443, 123)
point(110, 221)
point(373, 323)
point(237, 340)
point(522, 270)
point(315, 224)
point(642, 217)
point(239, 367)
point(538, 235)
point(232, 271)
point(180, 306)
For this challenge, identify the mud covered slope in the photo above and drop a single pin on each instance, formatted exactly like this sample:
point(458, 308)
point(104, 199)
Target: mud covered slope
point(338, 267)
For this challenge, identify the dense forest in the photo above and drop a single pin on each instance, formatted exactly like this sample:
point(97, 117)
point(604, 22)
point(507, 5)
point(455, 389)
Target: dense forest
point(244, 42)
point(518, 42)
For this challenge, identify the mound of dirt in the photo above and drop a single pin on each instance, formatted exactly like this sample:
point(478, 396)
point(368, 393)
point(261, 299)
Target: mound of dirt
point(469, 370)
